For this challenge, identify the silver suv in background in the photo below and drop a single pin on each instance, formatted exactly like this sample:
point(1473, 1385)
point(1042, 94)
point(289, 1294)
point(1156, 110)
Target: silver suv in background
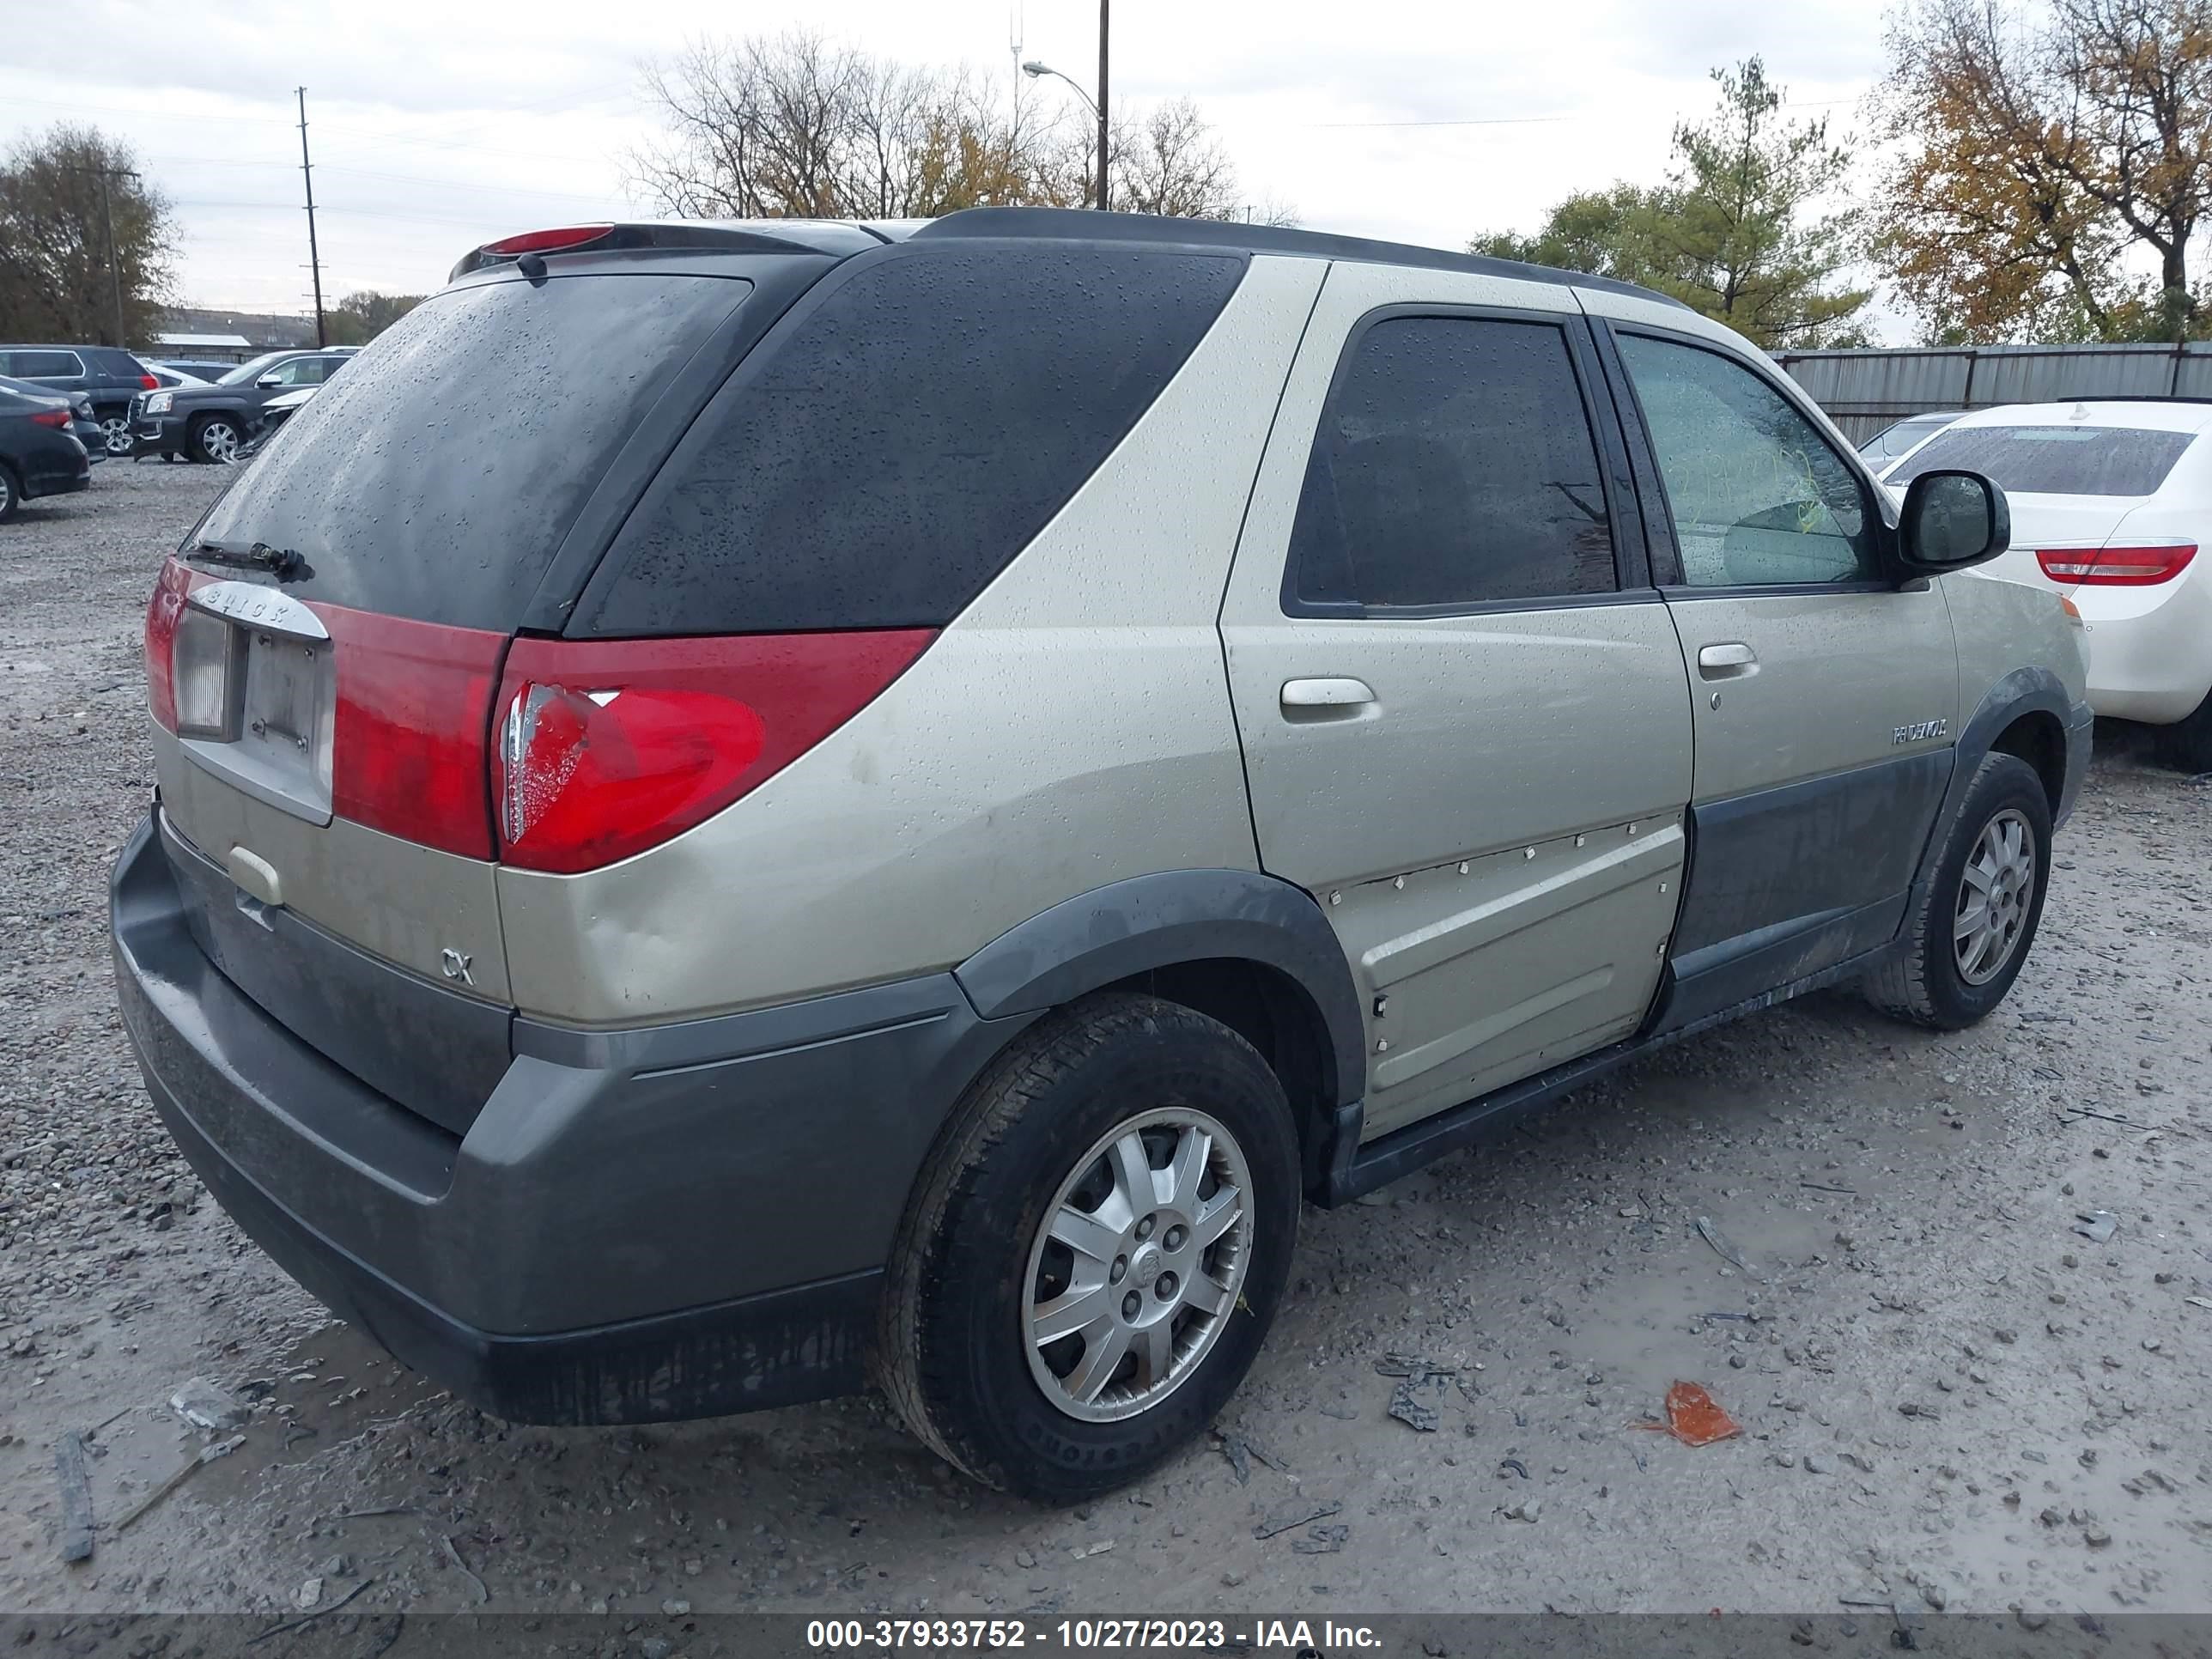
point(901, 813)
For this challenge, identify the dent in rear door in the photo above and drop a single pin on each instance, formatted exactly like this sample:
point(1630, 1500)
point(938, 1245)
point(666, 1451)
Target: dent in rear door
point(1486, 793)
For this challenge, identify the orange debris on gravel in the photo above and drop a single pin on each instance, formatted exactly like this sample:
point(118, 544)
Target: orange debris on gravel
point(1693, 1417)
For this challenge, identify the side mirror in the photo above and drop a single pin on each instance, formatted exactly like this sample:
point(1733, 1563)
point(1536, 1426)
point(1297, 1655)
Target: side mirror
point(268, 381)
point(1950, 521)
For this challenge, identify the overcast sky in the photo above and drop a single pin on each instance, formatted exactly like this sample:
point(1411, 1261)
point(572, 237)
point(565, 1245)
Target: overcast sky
point(439, 123)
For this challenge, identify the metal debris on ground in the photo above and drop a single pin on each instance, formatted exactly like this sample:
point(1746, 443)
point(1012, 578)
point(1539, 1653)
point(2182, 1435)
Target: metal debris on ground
point(1321, 1540)
point(75, 1540)
point(1288, 1520)
point(2096, 1225)
point(179, 1476)
point(1719, 1240)
point(202, 1404)
point(1695, 1419)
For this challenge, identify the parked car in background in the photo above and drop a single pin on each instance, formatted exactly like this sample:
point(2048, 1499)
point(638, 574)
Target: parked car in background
point(110, 376)
point(2112, 502)
point(1185, 718)
point(210, 422)
point(165, 374)
point(1895, 440)
point(192, 369)
point(84, 424)
point(39, 455)
point(273, 414)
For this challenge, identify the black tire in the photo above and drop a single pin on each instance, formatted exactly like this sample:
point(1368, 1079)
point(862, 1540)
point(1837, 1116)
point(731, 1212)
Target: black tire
point(953, 1354)
point(209, 424)
point(1925, 981)
point(11, 492)
point(2186, 745)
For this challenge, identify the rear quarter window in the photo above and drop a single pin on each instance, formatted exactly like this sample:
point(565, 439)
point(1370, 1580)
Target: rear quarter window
point(2053, 460)
point(901, 436)
point(437, 476)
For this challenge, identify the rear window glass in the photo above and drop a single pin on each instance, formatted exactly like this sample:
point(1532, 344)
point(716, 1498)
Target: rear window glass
point(436, 477)
point(2053, 460)
point(44, 362)
point(905, 438)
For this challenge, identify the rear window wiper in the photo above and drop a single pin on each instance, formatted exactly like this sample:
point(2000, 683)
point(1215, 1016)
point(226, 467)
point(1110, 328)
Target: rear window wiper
point(282, 562)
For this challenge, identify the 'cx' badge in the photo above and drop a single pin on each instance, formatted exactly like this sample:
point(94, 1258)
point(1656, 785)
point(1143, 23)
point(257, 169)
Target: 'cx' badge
point(456, 965)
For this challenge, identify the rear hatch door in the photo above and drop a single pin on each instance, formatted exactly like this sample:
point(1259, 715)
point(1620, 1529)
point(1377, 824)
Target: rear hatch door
point(325, 650)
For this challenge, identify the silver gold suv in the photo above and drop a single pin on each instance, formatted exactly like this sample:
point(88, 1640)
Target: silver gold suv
point(748, 807)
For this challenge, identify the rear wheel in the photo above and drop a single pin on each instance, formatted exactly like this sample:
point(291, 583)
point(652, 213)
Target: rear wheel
point(117, 428)
point(1965, 942)
point(216, 438)
point(1096, 1252)
point(11, 494)
point(2186, 745)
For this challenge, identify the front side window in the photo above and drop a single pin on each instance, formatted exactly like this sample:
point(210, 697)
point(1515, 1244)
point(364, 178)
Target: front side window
point(1757, 496)
point(1455, 466)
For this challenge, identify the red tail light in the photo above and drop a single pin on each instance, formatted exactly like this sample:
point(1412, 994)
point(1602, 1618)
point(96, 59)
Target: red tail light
point(2116, 567)
point(149, 382)
point(57, 418)
point(407, 749)
point(162, 613)
point(605, 748)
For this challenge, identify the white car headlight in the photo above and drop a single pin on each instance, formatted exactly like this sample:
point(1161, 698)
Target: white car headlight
point(158, 403)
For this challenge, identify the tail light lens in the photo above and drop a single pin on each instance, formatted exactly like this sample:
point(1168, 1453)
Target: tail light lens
point(2116, 567)
point(414, 707)
point(57, 418)
point(605, 748)
point(163, 614)
point(148, 382)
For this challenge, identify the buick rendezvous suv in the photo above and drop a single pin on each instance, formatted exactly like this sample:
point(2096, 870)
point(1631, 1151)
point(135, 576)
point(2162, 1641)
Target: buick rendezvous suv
point(748, 808)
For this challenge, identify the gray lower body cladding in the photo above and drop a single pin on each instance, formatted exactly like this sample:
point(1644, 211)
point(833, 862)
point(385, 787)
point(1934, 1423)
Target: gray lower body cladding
point(642, 1225)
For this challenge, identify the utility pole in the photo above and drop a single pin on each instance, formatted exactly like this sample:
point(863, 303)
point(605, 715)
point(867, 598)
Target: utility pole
point(114, 260)
point(314, 257)
point(1104, 105)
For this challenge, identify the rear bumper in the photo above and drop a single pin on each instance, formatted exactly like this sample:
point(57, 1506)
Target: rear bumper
point(638, 1225)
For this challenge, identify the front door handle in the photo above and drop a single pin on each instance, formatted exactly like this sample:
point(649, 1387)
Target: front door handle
point(1345, 694)
point(1731, 659)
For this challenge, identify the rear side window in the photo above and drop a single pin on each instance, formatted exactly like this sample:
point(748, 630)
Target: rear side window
point(1453, 467)
point(2054, 460)
point(30, 364)
point(904, 439)
point(436, 476)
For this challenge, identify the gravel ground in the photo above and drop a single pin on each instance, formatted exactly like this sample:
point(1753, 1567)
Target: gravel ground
point(1949, 1397)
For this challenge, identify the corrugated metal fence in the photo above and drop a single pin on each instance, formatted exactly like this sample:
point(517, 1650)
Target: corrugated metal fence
point(1864, 391)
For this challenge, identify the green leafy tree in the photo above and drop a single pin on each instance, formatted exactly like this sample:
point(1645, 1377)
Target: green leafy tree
point(363, 315)
point(56, 279)
point(1748, 227)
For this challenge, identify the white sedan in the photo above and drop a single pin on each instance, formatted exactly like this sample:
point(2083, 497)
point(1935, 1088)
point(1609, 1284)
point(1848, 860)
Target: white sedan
point(2110, 499)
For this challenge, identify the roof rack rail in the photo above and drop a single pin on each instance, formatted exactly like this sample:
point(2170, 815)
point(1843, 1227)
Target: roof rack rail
point(2130, 398)
point(1083, 224)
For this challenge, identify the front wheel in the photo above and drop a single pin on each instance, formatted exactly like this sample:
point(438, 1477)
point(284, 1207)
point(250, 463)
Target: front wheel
point(1965, 942)
point(216, 439)
point(116, 430)
point(1097, 1251)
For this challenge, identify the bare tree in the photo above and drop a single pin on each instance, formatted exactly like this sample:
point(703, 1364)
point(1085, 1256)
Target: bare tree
point(796, 124)
point(57, 279)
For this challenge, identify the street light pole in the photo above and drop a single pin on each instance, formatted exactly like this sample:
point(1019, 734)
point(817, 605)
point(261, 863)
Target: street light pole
point(1104, 105)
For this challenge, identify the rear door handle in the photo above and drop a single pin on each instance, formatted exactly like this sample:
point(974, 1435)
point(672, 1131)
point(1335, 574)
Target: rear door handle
point(1346, 694)
point(1731, 659)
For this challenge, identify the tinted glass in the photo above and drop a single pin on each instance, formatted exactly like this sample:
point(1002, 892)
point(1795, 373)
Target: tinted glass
point(1453, 467)
point(252, 370)
point(28, 363)
point(1894, 440)
point(436, 476)
point(2053, 460)
point(1758, 496)
point(881, 459)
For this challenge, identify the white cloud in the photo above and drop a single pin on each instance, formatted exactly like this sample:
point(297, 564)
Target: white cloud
point(435, 126)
